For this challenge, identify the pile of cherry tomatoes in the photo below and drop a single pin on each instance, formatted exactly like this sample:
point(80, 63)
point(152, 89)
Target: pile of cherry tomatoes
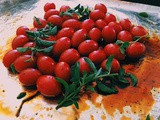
point(94, 38)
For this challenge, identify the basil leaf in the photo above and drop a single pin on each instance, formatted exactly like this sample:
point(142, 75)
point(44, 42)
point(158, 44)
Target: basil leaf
point(118, 42)
point(65, 104)
point(91, 88)
point(12, 68)
point(98, 72)
point(143, 14)
point(123, 47)
point(52, 31)
point(64, 83)
point(133, 79)
point(41, 42)
point(77, 7)
point(45, 50)
point(75, 72)
point(76, 104)
point(91, 64)
point(148, 117)
point(21, 95)
point(23, 49)
point(109, 64)
point(89, 78)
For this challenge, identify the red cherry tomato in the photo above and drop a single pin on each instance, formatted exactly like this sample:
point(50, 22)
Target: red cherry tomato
point(63, 71)
point(64, 8)
point(29, 76)
point(84, 67)
point(126, 24)
point(113, 49)
point(22, 30)
point(65, 32)
point(109, 34)
point(136, 50)
point(39, 22)
point(116, 26)
point(19, 41)
point(72, 23)
point(97, 56)
point(61, 45)
point(125, 36)
point(49, 6)
point(46, 65)
point(95, 34)
point(55, 20)
point(66, 17)
point(24, 62)
point(96, 14)
point(51, 12)
point(138, 31)
point(69, 56)
point(48, 86)
point(87, 47)
point(101, 7)
point(87, 24)
point(78, 37)
point(114, 68)
point(30, 45)
point(10, 57)
point(100, 23)
point(109, 18)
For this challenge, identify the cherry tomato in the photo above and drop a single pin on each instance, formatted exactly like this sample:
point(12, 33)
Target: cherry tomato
point(125, 36)
point(109, 34)
point(63, 71)
point(51, 12)
point(65, 32)
point(113, 49)
point(87, 47)
point(87, 24)
point(19, 41)
point(69, 56)
point(84, 67)
point(10, 57)
point(78, 37)
point(135, 50)
point(95, 34)
point(55, 20)
point(96, 14)
point(109, 18)
point(101, 7)
point(48, 86)
point(64, 8)
point(46, 65)
point(100, 23)
point(49, 6)
point(30, 45)
point(24, 62)
point(22, 30)
point(39, 22)
point(97, 56)
point(72, 23)
point(61, 45)
point(29, 76)
point(114, 68)
point(66, 17)
point(138, 31)
point(126, 24)
point(116, 26)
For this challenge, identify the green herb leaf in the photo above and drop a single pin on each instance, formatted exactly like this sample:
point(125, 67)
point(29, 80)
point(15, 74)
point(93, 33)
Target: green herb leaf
point(148, 117)
point(133, 79)
point(41, 42)
point(12, 68)
point(23, 49)
point(109, 64)
point(51, 31)
point(119, 42)
point(65, 104)
point(123, 47)
point(66, 13)
point(63, 82)
point(75, 72)
point(45, 50)
point(91, 88)
point(21, 95)
point(143, 14)
point(76, 104)
point(91, 64)
point(37, 20)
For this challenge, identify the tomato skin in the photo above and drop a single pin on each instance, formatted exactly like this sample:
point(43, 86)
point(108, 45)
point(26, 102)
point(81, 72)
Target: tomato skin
point(63, 71)
point(46, 65)
point(125, 36)
point(19, 41)
point(55, 20)
point(87, 47)
point(109, 34)
point(126, 24)
point(64, 8)
point(100, 23)
point(96, 14)
point(84, 67)
point(50, 12)
point(78, 37)
point(48, 86)
point(135, 50)
point(116, 26)
point(114, 68)
point(101, 7)
point(66, 17)
point(24, 62)
point(69, 56)
point(51, 38)
point(49, 6)
point(29, 76)
point(22, 30)
point(42, 23)
point(61, 45)
point(97, 56)
point(10, 57)
point(138, 31)
point(72, 23)
point(95, 34)
point(113, 49)
point(109, 18)
point(87, 24)
point(65, 32)
point(30, 45)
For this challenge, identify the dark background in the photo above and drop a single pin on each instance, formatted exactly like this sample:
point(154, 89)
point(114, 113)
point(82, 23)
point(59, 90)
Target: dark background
point(150, 2)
